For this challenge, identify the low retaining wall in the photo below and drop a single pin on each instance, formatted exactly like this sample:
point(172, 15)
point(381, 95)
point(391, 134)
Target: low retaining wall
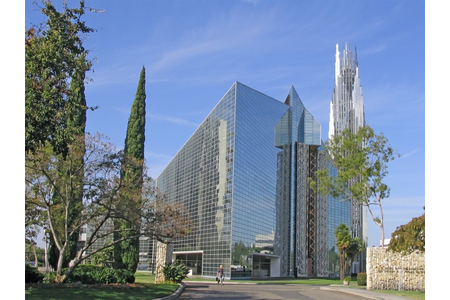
point(387, 270)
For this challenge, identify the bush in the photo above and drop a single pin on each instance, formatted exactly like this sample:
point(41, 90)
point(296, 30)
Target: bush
point(361, 279)
point(124, 276)
point(91, 274)
point(175, 271)
point(32, 274)
point(348, 279)
point(49, 277)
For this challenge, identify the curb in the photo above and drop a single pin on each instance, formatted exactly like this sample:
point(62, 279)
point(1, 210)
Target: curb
point(349, 291)
point(364, 293)
point(175, 294)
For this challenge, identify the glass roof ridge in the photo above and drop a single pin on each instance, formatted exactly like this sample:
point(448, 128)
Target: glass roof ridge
point(246, 86)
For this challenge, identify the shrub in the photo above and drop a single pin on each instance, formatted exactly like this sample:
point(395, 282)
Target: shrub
point(348, 279)
point(32, 274)
point(175, 271)
point(49, 277)
point(361, 279)
point(91, 274)
point(124, 276)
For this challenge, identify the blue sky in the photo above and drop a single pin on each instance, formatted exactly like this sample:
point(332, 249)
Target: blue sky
point(193, 51)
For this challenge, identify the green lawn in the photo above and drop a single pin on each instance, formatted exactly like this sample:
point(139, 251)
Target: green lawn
point(145, 288)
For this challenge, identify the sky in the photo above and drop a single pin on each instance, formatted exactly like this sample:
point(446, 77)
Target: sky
point(193, 52)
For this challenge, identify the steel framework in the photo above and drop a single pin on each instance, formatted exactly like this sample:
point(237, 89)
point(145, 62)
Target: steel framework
point(311, 215)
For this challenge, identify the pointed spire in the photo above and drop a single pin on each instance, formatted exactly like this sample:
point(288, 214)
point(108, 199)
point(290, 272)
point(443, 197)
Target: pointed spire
point(337, 65)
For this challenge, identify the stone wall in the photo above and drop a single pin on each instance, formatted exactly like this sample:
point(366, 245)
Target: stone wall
point(163, 257)
point(392, 271)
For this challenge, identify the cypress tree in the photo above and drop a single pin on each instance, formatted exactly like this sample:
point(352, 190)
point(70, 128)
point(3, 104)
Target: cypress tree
point(126, 253)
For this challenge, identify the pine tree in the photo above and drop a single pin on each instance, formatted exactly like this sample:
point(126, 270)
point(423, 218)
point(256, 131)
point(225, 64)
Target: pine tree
point(126, 253)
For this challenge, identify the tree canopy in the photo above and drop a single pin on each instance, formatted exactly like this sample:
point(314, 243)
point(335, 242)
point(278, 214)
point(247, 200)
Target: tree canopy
point(361, 161)
point(52, 54)
point(410, 237)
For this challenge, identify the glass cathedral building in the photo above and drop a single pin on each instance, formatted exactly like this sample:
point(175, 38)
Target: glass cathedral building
point(242, 178)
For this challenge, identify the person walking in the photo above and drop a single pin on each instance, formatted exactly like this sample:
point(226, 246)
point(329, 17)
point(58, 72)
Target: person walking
point(219, 276)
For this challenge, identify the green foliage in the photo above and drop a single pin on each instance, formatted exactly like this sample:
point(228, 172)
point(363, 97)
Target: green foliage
point(126, 253)
point(361, 279)
point(410, 237)
point(355, 248)
point(348, 247)
point(52, 54)
point(32, 274)
point(361, 160)
point(90, 274)
point(348, 279)
point(49, 277)
point(175, 271)
point(343, 242)
point(135, 138)
point(103, 257)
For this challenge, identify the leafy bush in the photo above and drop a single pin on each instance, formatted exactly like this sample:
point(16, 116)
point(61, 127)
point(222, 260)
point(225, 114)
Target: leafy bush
point(91, 274)
point(32, 274)
point(361, 279)
point(124, 276)
point(348, 279)
point(49, 277)
point(175, 271)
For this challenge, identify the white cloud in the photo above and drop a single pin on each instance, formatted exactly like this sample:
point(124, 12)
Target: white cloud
point(172, 120)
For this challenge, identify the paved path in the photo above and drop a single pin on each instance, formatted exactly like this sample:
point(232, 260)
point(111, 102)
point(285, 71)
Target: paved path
point(210, 290)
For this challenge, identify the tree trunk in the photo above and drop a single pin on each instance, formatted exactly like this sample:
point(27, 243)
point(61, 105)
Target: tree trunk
point(343, 264)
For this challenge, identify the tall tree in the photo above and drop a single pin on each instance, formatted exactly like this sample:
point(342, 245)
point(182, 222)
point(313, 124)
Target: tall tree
point(126, 254)
point(355, 248)
point(361, 160)
point(76, 123)
point(52, 53)
point(343, 242)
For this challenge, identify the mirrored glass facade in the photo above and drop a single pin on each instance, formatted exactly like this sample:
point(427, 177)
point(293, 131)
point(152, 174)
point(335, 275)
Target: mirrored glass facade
point(243, 179)
point(225, 176)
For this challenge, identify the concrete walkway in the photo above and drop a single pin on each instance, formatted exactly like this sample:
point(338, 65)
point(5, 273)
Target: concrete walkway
point(357, 291)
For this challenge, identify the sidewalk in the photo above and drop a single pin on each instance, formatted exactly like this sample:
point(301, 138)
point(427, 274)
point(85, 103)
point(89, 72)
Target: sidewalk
point(362, 292)
point(358, 291)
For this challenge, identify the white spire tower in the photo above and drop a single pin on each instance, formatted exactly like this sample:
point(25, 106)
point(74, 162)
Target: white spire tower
point(347, 111)
point(347, 104)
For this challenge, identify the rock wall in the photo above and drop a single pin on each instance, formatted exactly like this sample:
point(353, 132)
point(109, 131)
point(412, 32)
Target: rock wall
point(163, 257)
point(392, 271)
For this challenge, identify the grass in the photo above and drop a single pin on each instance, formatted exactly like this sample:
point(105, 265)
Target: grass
point(417, 295)
point(145, 288)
